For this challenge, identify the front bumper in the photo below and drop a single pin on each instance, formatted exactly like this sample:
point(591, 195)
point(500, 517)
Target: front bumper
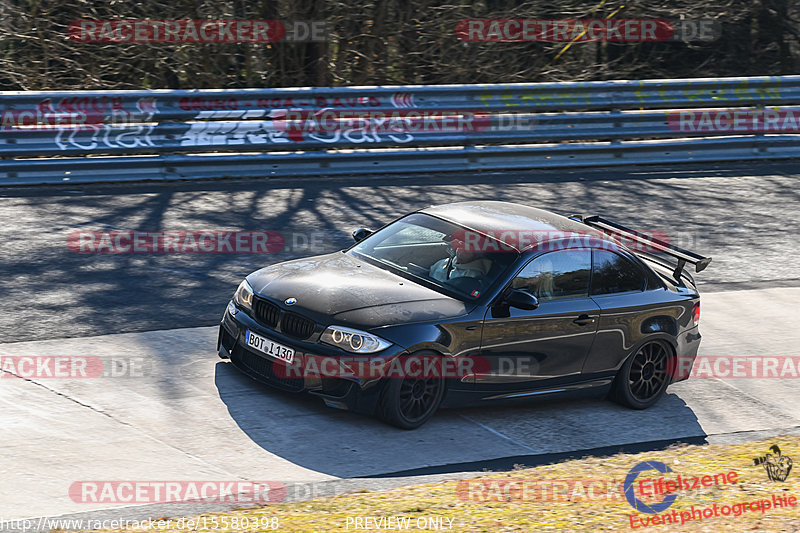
point(350, 393)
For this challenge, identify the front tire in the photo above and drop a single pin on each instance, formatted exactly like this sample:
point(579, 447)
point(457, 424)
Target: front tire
point(644, 377)
point(409, 402)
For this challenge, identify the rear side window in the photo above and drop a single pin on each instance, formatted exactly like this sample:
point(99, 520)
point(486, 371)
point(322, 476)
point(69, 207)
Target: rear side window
point(612, 273)
point(554, 275)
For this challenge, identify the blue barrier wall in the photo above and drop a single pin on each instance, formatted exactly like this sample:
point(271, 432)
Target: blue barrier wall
point(48, 137)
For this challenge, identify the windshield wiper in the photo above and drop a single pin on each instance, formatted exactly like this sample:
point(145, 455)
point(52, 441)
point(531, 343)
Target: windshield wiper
point(392, 263)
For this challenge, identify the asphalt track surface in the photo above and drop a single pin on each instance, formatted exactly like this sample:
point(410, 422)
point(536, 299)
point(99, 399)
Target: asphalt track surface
point(191, 416)
point(744, 216)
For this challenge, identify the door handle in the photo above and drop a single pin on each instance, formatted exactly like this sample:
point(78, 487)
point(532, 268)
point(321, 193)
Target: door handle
point(583, 320)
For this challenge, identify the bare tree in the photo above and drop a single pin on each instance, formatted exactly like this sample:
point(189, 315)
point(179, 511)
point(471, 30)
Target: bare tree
point(384, 42)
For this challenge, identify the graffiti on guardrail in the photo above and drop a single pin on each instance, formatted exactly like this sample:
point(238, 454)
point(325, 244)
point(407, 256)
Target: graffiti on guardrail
point(304, 119)
point(399, 126)
point(97, 122)
point(66, 113)
point(197, 103)
point(396, 100)
point(235, 130)
point(283, 128)
point(88, 123)
point(125, 129)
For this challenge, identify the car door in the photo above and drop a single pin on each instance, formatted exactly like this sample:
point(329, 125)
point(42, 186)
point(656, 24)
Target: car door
point(525, 349)
point(619, 288)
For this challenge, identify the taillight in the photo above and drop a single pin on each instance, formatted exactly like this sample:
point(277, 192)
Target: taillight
point(696, 313)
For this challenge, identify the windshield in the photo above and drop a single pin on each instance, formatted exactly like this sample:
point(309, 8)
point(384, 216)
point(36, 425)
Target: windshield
point(439, 254)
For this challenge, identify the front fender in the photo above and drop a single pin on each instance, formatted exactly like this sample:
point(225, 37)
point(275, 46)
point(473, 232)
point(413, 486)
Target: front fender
point(457, 337)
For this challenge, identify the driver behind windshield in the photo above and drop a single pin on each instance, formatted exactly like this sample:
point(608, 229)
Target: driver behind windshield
point(461, 263)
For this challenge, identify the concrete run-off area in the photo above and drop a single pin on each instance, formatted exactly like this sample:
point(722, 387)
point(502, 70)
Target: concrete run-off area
point(182, 414)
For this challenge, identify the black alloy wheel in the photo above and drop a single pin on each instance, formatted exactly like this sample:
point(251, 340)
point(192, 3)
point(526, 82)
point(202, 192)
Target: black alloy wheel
point(643, 379)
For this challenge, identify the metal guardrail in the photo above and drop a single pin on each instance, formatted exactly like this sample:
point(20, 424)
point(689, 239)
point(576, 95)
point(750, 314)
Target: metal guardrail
point(92, 136)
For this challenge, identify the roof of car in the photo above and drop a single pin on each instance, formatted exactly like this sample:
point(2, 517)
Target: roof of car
point(498, 217)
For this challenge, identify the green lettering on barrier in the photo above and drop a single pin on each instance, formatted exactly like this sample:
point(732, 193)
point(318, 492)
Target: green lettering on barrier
point(528, 97)
point(696, 95)
point(569, 97)
point(742, 91)
point(770, 91)
point(548, 97)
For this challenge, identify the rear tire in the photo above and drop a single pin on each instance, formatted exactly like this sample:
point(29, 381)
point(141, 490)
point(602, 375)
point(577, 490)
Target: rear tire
point(409, 402)
point(644, 377)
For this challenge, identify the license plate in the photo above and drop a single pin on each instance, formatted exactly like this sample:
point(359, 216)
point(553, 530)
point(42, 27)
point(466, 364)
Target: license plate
point(268, 347)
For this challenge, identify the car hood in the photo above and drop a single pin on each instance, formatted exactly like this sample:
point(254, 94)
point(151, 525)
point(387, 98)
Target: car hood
point(340, 288)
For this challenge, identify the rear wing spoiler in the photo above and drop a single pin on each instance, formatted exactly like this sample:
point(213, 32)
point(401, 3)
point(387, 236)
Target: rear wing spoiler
point(683, 256)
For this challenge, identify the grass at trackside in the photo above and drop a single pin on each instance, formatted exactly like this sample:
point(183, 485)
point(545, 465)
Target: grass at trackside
point(441, 499)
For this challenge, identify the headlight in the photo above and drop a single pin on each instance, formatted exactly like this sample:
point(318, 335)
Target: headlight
point(353, 340)
point(243, 297)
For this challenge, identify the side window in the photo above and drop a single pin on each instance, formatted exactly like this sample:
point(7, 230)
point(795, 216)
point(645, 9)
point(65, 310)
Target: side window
point(562, 274)
point(613, 273)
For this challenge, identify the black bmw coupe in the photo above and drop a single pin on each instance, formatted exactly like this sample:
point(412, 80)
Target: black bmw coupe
point(469, 303)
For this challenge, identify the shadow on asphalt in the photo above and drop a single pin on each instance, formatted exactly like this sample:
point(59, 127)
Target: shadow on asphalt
point(300, 429)
point(71, 294)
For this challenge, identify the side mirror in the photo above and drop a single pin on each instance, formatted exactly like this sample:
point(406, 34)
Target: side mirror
point(360, 234)
point(522, 300)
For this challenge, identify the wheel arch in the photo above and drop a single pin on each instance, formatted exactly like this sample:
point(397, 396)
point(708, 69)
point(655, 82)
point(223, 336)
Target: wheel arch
point(671, 340)
point(389, 407)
